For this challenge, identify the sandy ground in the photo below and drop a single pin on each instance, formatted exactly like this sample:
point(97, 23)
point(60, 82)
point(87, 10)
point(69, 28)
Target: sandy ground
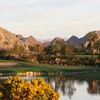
point(8, 63)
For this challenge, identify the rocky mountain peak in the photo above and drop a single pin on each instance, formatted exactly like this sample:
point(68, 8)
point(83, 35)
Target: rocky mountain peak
point(31, 41)
point(73, 40)
point(8, 39)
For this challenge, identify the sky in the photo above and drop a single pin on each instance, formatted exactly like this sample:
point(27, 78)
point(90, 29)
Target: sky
point(46, 19)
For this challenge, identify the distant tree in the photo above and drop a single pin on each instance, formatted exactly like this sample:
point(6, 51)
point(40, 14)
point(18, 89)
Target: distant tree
point(69, 49)
point(97, 46)
point(57, 49)
point(63, 49)
point(4, 53)
point(38, 49)
point(48, 50)
point(19, 50)
point(79, 49)
point(32, 48)
point(92, 37)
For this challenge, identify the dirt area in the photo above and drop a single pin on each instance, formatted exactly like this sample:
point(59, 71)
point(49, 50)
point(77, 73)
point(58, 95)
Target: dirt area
point(8, 64)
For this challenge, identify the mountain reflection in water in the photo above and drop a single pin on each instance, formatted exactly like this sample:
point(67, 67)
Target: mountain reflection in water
point(71, 87)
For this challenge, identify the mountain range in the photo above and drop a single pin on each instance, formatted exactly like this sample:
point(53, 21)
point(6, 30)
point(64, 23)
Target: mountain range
point(7, 40)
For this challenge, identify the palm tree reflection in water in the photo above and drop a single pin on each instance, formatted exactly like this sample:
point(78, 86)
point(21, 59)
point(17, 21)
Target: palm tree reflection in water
point(66, 84)
point(63, 84)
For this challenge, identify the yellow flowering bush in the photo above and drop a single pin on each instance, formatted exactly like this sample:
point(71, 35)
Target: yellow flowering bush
point(16, 88)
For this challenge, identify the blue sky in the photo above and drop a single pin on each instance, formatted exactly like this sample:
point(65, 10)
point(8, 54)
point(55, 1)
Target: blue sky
point(46, 19)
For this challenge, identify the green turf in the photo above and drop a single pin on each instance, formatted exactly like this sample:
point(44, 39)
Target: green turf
point(25, 66)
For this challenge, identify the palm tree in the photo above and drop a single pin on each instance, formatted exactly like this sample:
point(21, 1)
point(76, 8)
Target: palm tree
point(92, 39)
point(57, 49)
point(38, 48)
point(97, 46)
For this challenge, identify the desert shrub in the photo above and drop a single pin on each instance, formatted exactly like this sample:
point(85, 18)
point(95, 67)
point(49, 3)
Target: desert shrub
point(16, 88)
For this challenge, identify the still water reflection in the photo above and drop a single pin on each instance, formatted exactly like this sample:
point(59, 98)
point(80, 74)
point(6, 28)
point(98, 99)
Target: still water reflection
point(71, 87)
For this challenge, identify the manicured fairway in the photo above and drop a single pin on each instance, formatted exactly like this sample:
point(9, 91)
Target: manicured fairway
point(25, 66)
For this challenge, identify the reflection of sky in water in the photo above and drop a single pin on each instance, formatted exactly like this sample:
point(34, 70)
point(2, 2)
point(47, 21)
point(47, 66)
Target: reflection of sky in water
point(79, 90)
point(69, 87)
point(81, 93)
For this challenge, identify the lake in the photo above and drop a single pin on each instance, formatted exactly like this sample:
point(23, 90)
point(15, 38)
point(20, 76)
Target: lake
point(71, 87)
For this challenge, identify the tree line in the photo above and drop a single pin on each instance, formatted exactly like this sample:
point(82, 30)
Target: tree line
point(59, 53)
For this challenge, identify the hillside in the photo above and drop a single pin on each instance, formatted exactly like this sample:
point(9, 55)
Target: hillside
point(87, 36)
point(31, 41)
point(56, 51)
point(75, 40)
point(8, 40)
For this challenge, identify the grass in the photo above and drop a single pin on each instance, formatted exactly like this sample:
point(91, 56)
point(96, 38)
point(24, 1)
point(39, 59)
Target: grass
point(25, 66)
point(86, 72)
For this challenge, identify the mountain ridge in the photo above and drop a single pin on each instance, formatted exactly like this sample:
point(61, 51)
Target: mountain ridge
point(10, 38)
point(7, 39)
